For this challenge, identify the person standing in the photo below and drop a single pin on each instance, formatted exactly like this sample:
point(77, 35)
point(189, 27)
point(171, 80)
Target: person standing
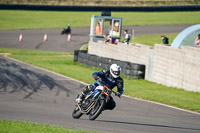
point(197, 41)
point(98, 29)
point(126, 37)
point(111, 78)
point(165, 40)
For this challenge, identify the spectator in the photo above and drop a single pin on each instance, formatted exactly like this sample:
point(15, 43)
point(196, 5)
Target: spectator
point(112, 34)
point(68, 29)
point(98, 29)
point(126, 37)
point(107, 37)
point(115, 31)
point(197, 41)
point(110, 40)
point(165, 40)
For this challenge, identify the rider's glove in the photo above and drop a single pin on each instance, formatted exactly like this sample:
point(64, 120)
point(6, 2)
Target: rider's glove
point(118, 94)
point(96, 77)
point(101, 80)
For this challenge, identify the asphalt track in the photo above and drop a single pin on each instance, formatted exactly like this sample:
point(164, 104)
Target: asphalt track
point(31, 94)
point(33, 39)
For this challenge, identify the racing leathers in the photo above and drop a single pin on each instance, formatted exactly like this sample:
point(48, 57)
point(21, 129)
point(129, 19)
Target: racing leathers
point(111, 82)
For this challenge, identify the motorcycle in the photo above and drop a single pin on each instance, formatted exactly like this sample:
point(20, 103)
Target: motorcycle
point(94, 102)
point(66, 31)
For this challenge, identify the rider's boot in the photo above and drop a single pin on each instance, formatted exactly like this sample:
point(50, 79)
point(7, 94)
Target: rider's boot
point(80, 98)
point(84, 93)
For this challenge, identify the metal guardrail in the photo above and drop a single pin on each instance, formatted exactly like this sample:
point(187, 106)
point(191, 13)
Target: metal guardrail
point(99, 8)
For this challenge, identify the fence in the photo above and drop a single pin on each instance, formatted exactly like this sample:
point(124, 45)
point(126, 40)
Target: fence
point(100, 8)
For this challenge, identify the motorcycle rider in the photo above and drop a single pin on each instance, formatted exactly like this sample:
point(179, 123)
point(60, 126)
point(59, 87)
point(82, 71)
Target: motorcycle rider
point(67, 30)
point(111, 78)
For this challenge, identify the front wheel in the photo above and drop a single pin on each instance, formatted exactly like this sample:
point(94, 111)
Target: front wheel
point(76, 114)
point(98, 108)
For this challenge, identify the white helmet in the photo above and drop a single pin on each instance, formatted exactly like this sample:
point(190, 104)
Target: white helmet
point(115, 70)
point(117, 24)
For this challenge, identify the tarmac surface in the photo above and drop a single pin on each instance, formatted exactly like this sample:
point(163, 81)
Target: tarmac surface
point(28, 93)
point(33, 39)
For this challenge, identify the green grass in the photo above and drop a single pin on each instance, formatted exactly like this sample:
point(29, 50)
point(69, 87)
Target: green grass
point(27, 127)
point(43, 19)
point(63, 63)
point(160, 93)
point(154, 39)
point(84, 47)
point(18, 19)
point(158, 18)
point(149, 40)
point(55, 61)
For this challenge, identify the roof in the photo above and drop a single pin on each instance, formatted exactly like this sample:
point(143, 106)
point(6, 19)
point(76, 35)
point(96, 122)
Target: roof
point(106, 17)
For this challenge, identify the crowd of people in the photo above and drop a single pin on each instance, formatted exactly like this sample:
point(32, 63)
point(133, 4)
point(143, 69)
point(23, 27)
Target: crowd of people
point(127, 36)
point(110, 36)
point(166, 40)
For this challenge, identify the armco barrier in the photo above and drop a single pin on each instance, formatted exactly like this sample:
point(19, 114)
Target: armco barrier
point(129, 69)
point(99, 8)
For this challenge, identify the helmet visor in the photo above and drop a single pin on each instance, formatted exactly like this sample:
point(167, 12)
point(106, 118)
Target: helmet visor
point(117, 73)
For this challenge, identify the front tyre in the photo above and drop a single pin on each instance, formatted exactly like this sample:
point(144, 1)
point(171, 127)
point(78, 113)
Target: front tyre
point(98, 108)
point(76, 114)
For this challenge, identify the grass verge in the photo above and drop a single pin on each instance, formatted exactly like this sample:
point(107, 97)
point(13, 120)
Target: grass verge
point(27, 127)
point(18, 19)
point(154, 39)
point(84, 47)
point(63, 63)
point(149, 40)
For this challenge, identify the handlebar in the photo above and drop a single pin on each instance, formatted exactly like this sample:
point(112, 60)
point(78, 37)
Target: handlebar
point(103, 83)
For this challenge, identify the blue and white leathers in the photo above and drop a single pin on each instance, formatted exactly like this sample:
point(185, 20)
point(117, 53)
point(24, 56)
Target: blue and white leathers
point(111, 82)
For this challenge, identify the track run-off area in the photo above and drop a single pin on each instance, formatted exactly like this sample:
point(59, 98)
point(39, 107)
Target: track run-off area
point(33, 39)
point(37, 95)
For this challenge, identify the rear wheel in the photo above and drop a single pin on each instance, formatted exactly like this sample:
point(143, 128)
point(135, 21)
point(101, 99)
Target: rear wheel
point(76, 114)
point(98, 108)
point(63, 32)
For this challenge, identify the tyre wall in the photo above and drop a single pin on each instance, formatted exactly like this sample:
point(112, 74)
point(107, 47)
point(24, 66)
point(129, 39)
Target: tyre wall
point(138, 54)
point(165, 65)
point(131, 70)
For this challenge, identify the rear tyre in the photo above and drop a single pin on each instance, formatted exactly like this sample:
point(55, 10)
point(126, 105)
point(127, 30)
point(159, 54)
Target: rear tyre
point(98, 108)
point(62, 32)
point(76, 114)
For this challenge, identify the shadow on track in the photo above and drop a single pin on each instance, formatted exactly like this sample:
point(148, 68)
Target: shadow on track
point(14, 78)
point(147, 125)
point(39, 45)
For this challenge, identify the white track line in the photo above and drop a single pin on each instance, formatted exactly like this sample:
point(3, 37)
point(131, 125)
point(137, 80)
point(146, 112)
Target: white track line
point(169, 106)
point(47, 70)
